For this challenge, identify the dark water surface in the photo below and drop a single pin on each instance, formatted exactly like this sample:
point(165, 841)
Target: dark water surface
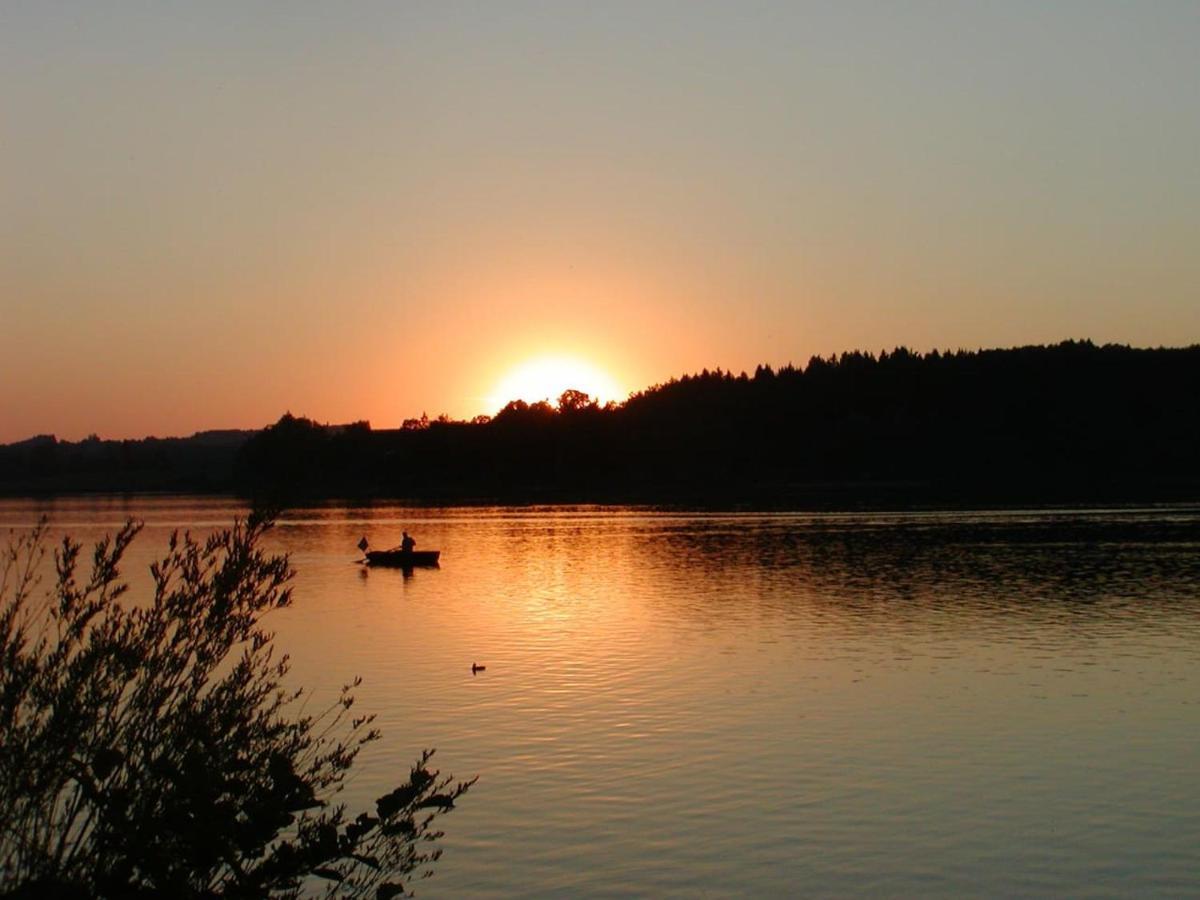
point(714, 704)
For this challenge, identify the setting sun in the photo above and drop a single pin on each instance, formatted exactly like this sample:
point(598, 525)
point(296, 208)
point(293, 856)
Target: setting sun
point(546, 377)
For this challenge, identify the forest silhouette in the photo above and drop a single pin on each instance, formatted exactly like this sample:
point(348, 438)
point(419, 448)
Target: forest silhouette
point(1073, 421)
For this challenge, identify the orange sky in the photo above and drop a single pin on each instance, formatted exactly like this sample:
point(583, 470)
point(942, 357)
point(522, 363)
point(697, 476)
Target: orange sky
point(209, 216)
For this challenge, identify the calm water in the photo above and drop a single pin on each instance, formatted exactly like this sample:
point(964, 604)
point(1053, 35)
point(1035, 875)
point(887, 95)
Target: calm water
point(934, 704)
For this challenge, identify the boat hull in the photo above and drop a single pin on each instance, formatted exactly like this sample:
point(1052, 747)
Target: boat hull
point(400, 559)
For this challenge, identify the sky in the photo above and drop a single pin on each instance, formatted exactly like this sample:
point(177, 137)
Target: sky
point(213, 213)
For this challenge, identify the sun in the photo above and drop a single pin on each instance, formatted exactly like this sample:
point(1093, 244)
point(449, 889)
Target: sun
point(546, 377)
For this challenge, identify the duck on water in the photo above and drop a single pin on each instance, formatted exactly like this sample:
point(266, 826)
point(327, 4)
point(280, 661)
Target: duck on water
point(406, 556)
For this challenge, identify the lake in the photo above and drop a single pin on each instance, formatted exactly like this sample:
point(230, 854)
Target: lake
point(715, 704)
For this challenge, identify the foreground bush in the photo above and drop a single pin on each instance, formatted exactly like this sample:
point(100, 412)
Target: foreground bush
point(151, 748)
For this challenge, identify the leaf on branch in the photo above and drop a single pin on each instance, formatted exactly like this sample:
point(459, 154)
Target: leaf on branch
point(105, 761)
point(390, 804)
point(404, 828)
point(360, 826)
point(437, 801)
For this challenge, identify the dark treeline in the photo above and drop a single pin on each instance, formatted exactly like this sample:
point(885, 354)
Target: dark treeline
point(1072, 421)
point(201, 463)
point(1068, 422)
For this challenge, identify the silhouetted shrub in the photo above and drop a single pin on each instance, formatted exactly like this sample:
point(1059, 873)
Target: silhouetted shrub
point(151, 748)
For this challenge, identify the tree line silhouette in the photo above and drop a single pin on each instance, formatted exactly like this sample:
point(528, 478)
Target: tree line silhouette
point(1069, 421)
point(43, 464)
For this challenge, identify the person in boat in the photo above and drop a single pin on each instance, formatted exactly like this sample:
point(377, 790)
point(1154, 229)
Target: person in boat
point(407, 545)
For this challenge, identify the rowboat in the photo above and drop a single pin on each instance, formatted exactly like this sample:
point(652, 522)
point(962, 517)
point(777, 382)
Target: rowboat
point(403, 559)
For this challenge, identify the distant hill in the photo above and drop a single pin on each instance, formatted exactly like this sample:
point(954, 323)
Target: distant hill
point(201, 463)
point(1069, 422)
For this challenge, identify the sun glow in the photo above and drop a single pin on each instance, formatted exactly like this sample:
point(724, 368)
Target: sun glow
point(546, 377)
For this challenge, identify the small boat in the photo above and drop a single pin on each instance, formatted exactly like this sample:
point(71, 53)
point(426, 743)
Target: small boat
point(403, 559)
